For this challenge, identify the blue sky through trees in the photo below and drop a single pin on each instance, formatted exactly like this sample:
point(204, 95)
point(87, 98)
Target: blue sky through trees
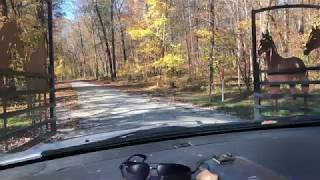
point(69, 9)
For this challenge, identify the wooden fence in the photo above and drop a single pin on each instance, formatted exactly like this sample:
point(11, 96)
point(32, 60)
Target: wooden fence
point(27, 104)
point(20, 100)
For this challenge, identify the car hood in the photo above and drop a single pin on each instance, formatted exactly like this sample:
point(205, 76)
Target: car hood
point(36, 151)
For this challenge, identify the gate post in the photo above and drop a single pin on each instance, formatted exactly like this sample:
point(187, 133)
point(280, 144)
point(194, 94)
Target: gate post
point(52, 98)
point(256, 71)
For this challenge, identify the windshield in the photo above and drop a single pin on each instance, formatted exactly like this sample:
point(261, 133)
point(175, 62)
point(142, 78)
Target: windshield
point(104, 68)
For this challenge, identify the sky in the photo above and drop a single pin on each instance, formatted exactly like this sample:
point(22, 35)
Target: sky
point(69, 9)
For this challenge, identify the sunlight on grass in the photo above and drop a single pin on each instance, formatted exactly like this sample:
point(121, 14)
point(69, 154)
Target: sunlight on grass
point(235, 103)
point(17, 122)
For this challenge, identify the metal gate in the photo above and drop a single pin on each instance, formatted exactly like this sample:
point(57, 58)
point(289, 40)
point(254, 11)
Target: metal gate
point(259, 95)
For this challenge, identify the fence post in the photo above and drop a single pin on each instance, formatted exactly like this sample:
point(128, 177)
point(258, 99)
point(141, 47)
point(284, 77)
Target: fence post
point(222, 83)
point(46, 110)
point(41, 112)
point(5, 122)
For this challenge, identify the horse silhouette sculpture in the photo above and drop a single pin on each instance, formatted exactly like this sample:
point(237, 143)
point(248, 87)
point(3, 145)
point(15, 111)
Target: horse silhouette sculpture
point(11, 47)
point(9, 40)
point(37, 64)
point(313, 40)
point(34, 61)
point(282, 69)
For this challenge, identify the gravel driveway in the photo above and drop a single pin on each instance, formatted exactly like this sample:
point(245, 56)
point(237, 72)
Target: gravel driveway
point(104, 109)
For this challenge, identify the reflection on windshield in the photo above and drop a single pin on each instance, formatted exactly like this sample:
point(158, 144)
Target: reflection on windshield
point(116, 67)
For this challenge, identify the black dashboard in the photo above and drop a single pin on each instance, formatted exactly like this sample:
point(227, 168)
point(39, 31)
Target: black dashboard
point(291, 153)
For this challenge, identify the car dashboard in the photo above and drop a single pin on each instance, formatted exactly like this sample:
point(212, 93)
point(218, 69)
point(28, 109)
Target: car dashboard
point(290, 153)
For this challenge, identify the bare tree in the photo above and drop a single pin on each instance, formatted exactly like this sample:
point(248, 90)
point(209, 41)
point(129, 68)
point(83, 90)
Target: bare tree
point(287, 31)
point(212, 42)
point(186, 32)
point(122, 33)
point(95, 50)
point(83, 62)
point(113, 40)
point(105, 37)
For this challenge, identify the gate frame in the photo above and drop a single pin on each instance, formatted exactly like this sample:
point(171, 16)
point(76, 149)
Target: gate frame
point(52, 97)
point(255, 63)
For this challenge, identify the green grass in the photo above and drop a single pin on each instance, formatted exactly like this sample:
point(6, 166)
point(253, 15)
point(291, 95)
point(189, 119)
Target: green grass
point(295, 107)
point(236, 103)
point(19, 122)
point(241, 104)
point(15, 123)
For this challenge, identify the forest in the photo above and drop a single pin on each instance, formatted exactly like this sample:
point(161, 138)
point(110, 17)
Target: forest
point(173, 42)
point(167, 44)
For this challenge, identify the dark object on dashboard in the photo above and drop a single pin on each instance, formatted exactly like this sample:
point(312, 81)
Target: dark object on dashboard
point(133, 170)
point(224, 158)
point(240, 168)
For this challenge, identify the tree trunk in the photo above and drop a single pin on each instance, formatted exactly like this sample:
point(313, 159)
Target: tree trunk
point(102, 55)
point(83, 52)
point(104, 31)
point(125, 59)
point(113, 40)
point(122, 36)
point(186, 36)
point(250, 68)
point(190, 30)
point(194, 41)
point(163, 39)
point(212, 43)
point(3, 12)
point(95, 54)
point(188, 50)
point(287, 33)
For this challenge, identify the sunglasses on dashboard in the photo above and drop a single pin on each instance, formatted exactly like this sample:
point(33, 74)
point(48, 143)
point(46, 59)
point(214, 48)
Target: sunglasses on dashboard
point(133, 170)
